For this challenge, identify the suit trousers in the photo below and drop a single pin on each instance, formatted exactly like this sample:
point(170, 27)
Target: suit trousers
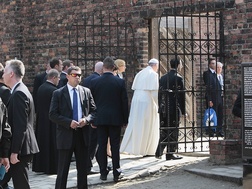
point(92, 146)
point(19, 173)
point(80, 151)
point(114, 133)
point(169, 135)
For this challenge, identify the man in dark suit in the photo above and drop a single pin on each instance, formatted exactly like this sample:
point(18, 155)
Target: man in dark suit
point(112, 113)
point(4, 90)
point(92, 144)
point(98, 70)
point(213, 94)
point(38, 81)
point(72, 109)
point(171, 106)
point(5, 136)
point(21, 119)
point(46, 160)
point(63, 75)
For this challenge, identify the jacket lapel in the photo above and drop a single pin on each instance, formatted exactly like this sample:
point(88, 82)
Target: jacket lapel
point(67, 96)
point(81, 95)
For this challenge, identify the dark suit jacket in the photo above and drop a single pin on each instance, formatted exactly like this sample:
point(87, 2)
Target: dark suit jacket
point(86, 81)
point(4, 93)
point(63, 80)
point(213, 88)
point(5, 132)
point(38, 80)
point(21, 114)
point(61, 113)
point(111, 100)
point(173, 81)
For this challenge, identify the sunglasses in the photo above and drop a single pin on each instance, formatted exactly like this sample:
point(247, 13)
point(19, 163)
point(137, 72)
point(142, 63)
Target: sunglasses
point(75, 75)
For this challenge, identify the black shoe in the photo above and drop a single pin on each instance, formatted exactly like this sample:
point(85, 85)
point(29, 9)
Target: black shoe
point(91, 172)
point(118, 176)
point(104, 176)
point(158, 157)
point(172, 156)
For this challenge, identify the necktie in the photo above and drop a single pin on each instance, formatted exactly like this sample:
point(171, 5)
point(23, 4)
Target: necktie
point(75, 105)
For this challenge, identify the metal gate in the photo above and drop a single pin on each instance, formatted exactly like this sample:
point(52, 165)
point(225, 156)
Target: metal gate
point(194, 37)
point(97, 35)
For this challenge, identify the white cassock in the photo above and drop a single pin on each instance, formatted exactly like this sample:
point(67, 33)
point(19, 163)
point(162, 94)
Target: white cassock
point(142, 133)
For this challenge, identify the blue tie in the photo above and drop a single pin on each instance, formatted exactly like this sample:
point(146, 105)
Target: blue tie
point(75, 105)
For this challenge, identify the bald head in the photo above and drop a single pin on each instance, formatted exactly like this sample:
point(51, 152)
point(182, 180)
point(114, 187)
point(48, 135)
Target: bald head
point(99, 67)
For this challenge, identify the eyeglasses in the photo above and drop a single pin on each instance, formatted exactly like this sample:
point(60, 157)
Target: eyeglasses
point(75, 75)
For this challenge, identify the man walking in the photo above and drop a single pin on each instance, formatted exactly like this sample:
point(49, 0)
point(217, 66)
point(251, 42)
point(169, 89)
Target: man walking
point(92, 143)
point(171, 103)
point(21, 115)
point(112, 113)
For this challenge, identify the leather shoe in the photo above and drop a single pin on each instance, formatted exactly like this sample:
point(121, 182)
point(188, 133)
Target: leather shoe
point(118, 177)
point(172, 156)
point(91, 172)
point(104, 176)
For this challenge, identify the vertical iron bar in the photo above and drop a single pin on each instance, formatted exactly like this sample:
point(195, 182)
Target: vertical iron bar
point(184, 75)
point(201, 76)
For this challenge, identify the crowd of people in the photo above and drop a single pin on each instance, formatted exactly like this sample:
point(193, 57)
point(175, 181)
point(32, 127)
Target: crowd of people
point(82, 118)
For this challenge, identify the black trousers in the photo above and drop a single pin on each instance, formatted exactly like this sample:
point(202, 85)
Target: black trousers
point(19, 173)
point(114, 133)
point(80, 151)
point(92, 146)
point(168, 135)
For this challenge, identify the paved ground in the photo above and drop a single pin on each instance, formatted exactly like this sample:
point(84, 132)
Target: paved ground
point(135, 167)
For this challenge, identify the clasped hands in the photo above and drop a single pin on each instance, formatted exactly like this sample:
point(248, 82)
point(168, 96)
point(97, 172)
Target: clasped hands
point(75, 124)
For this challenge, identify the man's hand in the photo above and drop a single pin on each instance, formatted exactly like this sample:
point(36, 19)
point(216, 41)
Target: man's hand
point(93, 126)
point(74, 124)
point(83, 122)
point(6, 163)
point(14, 158)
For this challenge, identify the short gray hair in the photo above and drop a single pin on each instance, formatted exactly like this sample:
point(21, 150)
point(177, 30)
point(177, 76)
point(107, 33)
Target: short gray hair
point(17, 66)
point(52, 73)
point(220, 64)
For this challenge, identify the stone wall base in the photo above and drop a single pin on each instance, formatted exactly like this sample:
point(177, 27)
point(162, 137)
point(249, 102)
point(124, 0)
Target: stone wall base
point(224, 152)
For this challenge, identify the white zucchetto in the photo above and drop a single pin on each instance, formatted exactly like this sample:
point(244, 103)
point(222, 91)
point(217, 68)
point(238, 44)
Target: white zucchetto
point(153, 61)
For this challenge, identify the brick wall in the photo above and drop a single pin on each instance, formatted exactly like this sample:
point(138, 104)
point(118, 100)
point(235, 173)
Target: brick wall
point(225, 151)
point(35, 31)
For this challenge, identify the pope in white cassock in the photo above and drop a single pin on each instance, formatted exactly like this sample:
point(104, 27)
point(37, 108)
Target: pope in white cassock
point(142, 133)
